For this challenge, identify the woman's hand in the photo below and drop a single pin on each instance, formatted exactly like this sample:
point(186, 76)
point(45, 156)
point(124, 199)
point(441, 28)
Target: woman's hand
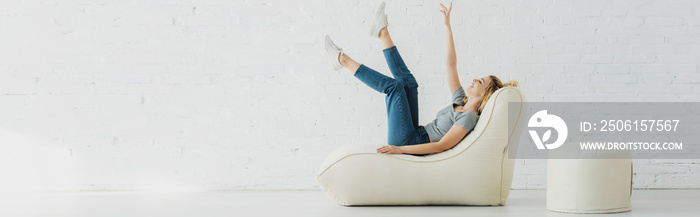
point(446, 12)
point(390, 149)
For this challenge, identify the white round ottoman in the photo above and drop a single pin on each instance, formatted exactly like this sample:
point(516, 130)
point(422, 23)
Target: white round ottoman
point(589, 185)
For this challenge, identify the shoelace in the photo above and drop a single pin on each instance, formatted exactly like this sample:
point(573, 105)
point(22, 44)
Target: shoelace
point(336, 47)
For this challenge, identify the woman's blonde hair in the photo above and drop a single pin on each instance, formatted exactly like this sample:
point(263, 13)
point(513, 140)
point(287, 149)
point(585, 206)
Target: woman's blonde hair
point(490, 89)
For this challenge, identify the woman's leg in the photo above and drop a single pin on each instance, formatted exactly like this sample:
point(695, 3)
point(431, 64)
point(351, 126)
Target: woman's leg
point(397, 107)
point(348, 63)
point(385, 39)
point(400, 72)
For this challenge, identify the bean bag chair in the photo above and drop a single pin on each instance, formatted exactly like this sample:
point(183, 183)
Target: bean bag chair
point(476, 171)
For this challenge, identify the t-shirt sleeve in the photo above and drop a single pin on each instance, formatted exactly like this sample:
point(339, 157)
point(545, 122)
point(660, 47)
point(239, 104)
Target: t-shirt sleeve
point(467, 120)
point(458, 96)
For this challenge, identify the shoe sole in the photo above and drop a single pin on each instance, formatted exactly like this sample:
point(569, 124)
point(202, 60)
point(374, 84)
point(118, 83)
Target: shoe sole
point(328, 39)
point(377, 19)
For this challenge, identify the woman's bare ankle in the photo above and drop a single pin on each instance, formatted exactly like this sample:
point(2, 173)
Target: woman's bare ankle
point(342, 59)
point(384, 32)
point(348, 63)
point(385, 38)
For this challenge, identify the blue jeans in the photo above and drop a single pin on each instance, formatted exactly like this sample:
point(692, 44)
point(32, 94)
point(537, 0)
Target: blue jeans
point(401, 99)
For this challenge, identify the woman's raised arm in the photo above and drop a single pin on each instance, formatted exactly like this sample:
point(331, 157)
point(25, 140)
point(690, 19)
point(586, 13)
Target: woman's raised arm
point(451, 57)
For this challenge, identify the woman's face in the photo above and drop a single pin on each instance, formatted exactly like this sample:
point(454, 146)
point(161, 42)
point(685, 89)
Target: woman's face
point(478, 86)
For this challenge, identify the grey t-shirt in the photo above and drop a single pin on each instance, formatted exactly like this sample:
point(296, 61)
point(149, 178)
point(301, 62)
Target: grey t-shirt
point(448, 117)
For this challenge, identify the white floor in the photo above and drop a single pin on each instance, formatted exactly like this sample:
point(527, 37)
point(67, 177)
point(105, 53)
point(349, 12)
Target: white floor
point(305, 203)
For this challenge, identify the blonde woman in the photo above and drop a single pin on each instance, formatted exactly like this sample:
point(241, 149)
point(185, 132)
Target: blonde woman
point(406, 136)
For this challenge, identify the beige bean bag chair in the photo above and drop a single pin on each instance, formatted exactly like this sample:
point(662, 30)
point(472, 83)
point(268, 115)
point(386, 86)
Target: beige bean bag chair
point(476, 171)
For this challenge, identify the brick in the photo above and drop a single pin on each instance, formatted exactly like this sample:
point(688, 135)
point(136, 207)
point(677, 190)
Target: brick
point(663, 78)
point(615, 11)
point(683, 39)
point(579, 68)
point(641, 39)
point(662, 9)
point(638, 59)
point(643, 181)
point(487, 10)
point(588, 39)
point(687, 78)
point(666, 68)
point(612, 68)
point(663, 21)
point(660, 169)
point(660, 97)
point(573, 89)
point(533, 58)
point(671, 180)
point(564, 58)
point(548, 49)
point(596, 59)
point(536, 182)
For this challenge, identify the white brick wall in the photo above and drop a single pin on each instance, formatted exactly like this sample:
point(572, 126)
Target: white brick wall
point(231, 95)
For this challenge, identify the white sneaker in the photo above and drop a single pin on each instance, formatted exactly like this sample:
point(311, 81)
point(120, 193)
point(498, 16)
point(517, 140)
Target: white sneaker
point(333, 52)
point(380, 21)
